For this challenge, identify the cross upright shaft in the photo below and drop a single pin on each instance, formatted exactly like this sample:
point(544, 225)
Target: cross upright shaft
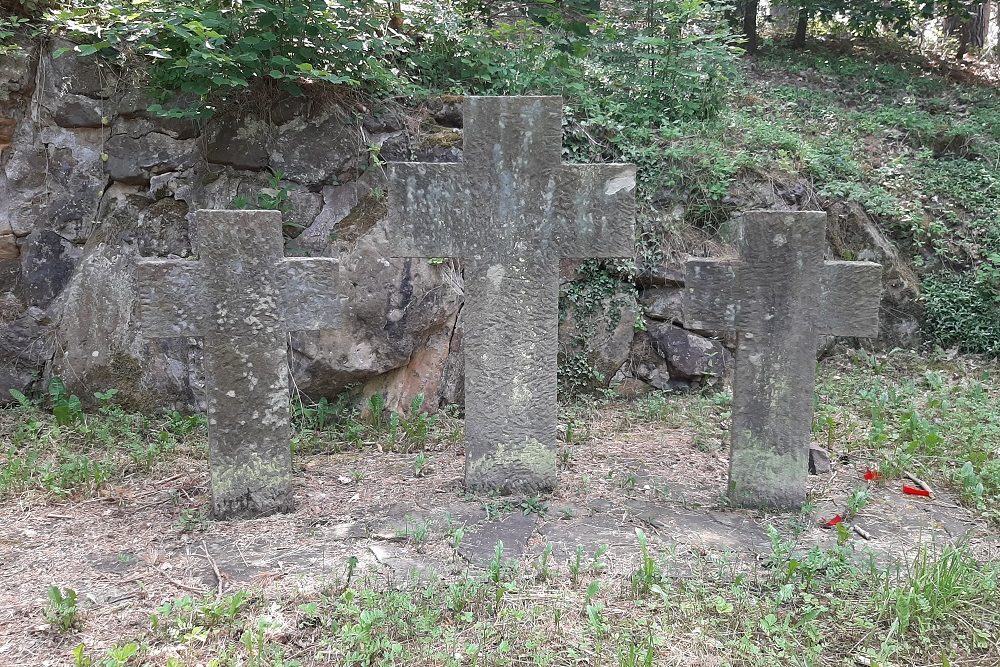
point(511, 209)
point(780, 296)
point(242, 297)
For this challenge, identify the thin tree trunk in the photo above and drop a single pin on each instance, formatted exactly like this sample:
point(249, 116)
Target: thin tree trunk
point(801, 29)
point(750, 25)
point(972, 29)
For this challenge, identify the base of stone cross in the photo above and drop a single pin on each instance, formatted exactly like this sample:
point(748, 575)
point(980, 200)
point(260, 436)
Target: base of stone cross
point(511, 469)
point(253, 504)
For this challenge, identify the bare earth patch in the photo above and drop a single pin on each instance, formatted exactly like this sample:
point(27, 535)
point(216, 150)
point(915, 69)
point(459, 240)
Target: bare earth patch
point(144, 543)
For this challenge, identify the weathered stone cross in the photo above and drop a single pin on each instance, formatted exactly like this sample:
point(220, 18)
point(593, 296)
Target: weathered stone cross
point(242, 297)
point(780, 297)
point(511, 209)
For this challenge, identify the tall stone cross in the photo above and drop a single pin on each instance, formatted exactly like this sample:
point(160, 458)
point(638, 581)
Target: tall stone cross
point(511, 209)
point(242, 297)
point(780, 297)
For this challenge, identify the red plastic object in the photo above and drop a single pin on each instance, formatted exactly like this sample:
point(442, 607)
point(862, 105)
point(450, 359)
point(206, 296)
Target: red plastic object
point(872, 475)
point(914, 491)
point(833, 522)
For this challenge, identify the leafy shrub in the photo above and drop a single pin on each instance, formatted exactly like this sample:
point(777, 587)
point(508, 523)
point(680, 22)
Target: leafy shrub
point(208, 49)
point(963, 310)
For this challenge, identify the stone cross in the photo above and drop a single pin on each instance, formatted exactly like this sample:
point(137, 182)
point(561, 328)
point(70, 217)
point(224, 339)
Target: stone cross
point(242, 297)
point(510, 209)
point(779, 297)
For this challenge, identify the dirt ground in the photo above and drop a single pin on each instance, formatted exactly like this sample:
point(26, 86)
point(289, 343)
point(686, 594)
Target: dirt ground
point(140, 545)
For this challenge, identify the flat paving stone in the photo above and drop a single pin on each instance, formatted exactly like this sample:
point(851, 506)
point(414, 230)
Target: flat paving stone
point(704, 528)
point(591, 533)
point(479, 544)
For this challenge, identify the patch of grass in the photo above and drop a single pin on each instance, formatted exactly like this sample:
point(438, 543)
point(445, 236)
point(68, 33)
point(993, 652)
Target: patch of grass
point(827, 607)
point(938, 419)
point(325, 427)
point(64, 452)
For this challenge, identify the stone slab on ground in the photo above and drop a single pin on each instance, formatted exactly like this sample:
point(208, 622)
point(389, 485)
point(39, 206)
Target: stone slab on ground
point(514, 530)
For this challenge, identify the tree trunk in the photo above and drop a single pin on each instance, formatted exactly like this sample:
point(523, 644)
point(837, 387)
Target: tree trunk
point(972, 29)
point(801, 29)
point(750, 25)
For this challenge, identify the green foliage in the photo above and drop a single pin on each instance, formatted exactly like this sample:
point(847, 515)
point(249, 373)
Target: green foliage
point(324, 424)
point(207, 50)
point(61, 612)
point(945, 426)
point(66, 408)
point(69, 452)
point(963, 310)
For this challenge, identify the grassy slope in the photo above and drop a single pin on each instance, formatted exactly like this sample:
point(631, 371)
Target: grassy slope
point(917, 148)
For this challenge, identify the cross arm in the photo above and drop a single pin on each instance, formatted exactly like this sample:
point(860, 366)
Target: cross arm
point(850, 299)
point(715, 297)
point(428, 204)
point(172, 300)
point(312, 295)
point(596, 210)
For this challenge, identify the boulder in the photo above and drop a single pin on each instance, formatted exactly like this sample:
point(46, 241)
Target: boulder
point(47, 264)
point(689, 355)
point(324, 147)
point(665, 304)
point(17, 71)
point(646, 365)
point(819, 460)
point(75, 91)
point(240, 142)
point(853, 235)
point(52, 179)
point(137, 151)
point(602, 335)
point(25, 345)
point(668, 273)
point(98, 343)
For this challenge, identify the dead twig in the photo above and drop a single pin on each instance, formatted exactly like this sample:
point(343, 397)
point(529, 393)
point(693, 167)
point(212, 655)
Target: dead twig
point(861, 531)
point(176, 583)
point(215, 568)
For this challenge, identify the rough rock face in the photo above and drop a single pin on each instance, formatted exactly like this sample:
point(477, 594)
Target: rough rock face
point(91, 182)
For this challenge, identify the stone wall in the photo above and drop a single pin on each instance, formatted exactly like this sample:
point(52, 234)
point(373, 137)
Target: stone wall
point(90, 181)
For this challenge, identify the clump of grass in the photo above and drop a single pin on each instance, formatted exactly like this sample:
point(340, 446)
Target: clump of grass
point(52, 445)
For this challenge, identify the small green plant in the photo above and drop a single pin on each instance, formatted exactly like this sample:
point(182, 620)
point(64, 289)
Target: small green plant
point(648, 573)
point(80, 657)
point(119, 656)
point(418, 532)
point(455, 537)
point(192, 520)
point(543, 571)
point(61, 612)
point(576, 566)
point(420, 465)
point(856, 502)
point(66, 408)
point(534, 505)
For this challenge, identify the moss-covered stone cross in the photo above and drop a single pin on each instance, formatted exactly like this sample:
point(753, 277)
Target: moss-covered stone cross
point(510, 209)
point(242, 297)
point(780, 296)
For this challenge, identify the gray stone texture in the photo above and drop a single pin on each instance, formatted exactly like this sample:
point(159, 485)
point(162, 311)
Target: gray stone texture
point(780, 296)
point(242, 297)
point(510, 210)
point(90, 181)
